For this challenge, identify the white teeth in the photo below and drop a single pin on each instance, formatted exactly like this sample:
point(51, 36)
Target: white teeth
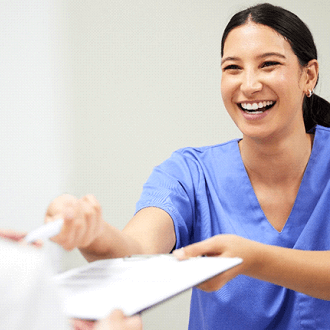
point(256, 106)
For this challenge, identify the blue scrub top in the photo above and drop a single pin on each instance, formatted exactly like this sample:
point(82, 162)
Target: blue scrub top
point(207, 191)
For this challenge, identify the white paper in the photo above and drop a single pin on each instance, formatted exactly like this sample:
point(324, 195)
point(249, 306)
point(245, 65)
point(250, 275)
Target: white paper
point(133, 284)
point(29, 297)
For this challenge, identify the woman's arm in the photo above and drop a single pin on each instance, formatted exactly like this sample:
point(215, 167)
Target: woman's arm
point(150, 231)
point(304, 271)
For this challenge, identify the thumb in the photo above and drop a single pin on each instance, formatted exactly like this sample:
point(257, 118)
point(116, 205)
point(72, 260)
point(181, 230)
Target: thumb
point(204, 248)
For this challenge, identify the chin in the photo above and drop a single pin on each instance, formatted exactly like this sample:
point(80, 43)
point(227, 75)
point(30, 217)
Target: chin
point(258, 133)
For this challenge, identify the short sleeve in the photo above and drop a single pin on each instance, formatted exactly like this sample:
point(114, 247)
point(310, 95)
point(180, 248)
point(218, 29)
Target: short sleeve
point(170, 187)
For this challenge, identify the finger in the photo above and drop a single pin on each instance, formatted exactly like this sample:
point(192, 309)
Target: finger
point(89, 215)
point(77, 324)
point(98, 214)
point(12, 235)
point(93, 219)
point(209, 247)
point(63, 207)
point(82, 222)
point(58, 205)
point(76, 227)
point(133, 322)
point(118, 321)
point(67, 237)
point(38, 243)
point(112, 322)
point(116, 315)
point(68, 208)
point(18, 237)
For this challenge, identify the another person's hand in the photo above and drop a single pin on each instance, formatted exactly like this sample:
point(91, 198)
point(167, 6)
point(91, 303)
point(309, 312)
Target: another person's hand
point(12, 235)
point(17, 237)
point(223, 246)
point(82, 220)
point(118, 321)
point(115, 321)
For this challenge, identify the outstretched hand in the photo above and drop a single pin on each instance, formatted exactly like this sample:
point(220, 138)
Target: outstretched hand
point(223, 246)
point(82, 220)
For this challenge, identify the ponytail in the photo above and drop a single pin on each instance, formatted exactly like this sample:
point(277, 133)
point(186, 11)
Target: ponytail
point(316, 111)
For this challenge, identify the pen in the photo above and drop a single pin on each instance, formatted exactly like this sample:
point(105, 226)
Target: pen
point(47, 230)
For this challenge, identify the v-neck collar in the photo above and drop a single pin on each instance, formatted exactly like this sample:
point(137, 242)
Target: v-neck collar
point(301, 209)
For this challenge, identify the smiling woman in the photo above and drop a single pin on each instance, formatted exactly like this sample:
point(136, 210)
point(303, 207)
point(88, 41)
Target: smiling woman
point(288, 26)
point(264, 197)
point(259, 67)
point(266, 79)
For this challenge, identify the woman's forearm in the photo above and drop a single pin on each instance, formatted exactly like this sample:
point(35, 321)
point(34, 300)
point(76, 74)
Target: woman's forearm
point(150, 231)
point(112, 243)
point(304, 271)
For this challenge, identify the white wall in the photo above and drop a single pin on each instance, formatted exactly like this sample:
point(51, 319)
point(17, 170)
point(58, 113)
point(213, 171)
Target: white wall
point(31, 105)
point(146, 81)
point(95, 93)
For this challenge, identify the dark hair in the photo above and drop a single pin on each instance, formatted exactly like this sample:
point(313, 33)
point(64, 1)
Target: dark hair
point(316, 110)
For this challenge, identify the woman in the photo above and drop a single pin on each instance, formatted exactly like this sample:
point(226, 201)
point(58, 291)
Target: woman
point(268, 188)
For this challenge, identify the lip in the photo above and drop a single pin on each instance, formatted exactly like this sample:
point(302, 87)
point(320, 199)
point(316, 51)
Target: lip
point(254, 116)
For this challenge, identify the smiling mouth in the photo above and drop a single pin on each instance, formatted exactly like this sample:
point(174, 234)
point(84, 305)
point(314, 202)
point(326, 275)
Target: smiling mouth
point(258, 107)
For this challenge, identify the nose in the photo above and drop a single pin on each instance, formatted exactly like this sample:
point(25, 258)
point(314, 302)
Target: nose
point(250, 83)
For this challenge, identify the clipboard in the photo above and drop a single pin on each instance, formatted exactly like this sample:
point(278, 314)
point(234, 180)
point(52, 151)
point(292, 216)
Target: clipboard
point(133, 284)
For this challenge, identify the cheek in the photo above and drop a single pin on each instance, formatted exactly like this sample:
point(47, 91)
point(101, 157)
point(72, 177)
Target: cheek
point(283, 81)
point(226, 91)
point(287, 84)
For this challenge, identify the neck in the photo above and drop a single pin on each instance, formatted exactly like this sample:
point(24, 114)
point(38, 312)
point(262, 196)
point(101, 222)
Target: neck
point(277, 161)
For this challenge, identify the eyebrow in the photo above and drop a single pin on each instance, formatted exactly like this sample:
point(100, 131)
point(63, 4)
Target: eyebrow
point(233, 58)
point(271, 54)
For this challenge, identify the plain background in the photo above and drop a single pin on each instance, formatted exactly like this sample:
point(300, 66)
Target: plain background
point(95, 93)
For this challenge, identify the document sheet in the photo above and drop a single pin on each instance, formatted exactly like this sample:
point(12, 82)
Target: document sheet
point(133, 284)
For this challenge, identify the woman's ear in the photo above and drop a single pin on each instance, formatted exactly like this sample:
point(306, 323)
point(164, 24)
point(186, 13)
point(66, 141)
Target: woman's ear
point(312, 75)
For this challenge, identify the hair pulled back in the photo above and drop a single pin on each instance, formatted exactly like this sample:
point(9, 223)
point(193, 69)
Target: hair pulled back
point(316, 110)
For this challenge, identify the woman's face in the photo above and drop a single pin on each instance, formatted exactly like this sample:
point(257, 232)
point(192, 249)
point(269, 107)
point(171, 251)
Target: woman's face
point(262, 83)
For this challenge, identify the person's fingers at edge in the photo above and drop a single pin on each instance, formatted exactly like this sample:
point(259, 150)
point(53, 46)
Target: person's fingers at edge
point(208, 247)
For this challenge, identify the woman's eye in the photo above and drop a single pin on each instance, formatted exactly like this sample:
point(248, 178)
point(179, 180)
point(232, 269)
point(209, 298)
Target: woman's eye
point(231, 67)
point(269, 64)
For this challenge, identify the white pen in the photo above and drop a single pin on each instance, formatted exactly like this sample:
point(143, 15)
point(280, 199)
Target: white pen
point(47, 230)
